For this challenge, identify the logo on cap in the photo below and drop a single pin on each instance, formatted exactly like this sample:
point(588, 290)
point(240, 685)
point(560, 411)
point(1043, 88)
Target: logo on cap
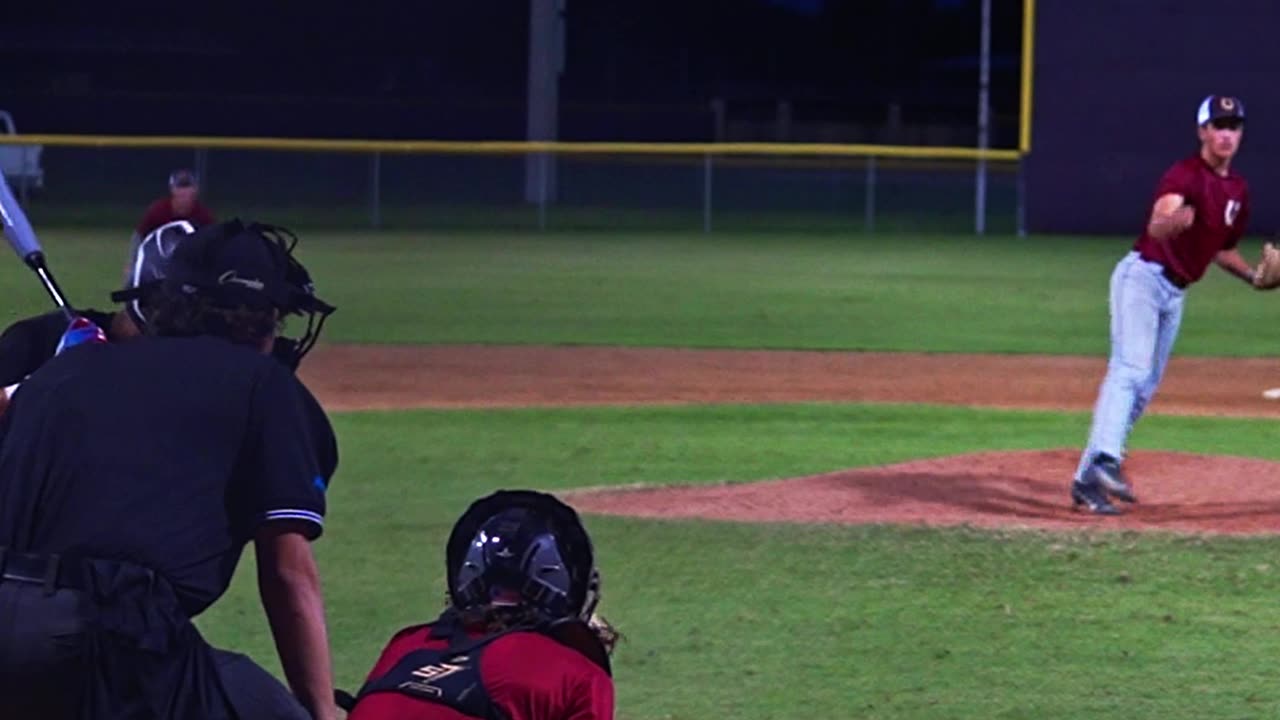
point(231, 277)
point(1227, 103)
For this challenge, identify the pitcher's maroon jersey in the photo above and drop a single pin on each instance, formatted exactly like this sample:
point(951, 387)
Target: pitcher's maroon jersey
point(161, 212)
point(1222, 215)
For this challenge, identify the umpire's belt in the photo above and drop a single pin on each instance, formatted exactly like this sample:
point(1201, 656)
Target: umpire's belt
point(52, 571)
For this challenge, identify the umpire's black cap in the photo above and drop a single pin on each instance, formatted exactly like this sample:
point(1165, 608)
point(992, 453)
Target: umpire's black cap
point(234, 263)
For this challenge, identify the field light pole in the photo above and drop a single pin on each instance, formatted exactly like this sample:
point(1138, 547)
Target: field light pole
point(984, 120)
point(201, 167)
point(546, 63)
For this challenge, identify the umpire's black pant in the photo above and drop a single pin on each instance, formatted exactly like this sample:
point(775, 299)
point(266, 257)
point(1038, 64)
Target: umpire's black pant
point(45, 633)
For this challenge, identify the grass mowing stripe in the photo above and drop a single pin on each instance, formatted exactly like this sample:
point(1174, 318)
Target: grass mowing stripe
point(915, 292)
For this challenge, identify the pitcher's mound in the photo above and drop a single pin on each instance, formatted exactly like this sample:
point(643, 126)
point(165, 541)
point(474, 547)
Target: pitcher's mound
point(1176, 491)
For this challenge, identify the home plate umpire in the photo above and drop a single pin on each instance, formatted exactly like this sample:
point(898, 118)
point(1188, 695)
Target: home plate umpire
point(132, 475)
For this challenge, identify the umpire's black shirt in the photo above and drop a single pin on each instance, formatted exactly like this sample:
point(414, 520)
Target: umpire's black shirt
point(166, 452)
point(29, 343)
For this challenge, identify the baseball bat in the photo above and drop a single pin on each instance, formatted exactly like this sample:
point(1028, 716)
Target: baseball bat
point(17, 230)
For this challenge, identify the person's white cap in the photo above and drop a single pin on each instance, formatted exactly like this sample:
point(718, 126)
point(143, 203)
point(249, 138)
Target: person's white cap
point(1219, 106)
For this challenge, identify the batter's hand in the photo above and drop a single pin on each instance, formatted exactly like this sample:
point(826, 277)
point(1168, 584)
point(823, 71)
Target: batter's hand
point(81, 331)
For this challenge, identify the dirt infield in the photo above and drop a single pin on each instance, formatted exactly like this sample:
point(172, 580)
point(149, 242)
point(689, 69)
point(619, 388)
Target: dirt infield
point(357, 377)
point(1178, 491)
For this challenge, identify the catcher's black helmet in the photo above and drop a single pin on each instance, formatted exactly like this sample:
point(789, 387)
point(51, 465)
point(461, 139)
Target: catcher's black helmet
point(527, 548)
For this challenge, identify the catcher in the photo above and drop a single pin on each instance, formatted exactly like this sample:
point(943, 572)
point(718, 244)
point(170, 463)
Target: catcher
point(518, 637)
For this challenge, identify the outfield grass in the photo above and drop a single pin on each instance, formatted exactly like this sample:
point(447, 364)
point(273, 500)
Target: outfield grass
point(772, 621)
point(892, 292)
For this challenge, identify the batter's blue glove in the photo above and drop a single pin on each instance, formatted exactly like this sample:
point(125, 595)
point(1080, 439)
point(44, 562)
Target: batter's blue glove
point(81, 331)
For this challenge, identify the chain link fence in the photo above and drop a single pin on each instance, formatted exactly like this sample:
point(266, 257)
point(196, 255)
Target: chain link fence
point(111, 186)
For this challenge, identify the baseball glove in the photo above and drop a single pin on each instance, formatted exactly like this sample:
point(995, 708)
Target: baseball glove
point(1266, 274)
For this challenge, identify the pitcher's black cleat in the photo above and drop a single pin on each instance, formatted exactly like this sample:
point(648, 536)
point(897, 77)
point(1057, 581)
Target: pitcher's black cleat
point(1106, 472)
point(1091, 497)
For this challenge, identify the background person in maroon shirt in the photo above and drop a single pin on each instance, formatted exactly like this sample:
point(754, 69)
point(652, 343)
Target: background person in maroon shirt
point(182, 203)
point(519, 638)
point(1200, 212)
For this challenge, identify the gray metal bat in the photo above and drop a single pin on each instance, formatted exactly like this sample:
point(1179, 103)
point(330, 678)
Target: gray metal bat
point(17, 230)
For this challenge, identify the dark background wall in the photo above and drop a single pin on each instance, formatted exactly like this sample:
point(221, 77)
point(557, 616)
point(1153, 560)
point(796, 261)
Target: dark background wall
point(644, 71)
point(1116, 92)
point(868, 71)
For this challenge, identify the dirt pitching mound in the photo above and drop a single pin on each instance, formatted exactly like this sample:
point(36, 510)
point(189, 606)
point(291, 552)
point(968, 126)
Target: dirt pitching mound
point(1179, 492)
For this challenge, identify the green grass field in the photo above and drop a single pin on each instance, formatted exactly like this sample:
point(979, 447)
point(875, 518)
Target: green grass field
point(779, 621)
point(891, 292)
